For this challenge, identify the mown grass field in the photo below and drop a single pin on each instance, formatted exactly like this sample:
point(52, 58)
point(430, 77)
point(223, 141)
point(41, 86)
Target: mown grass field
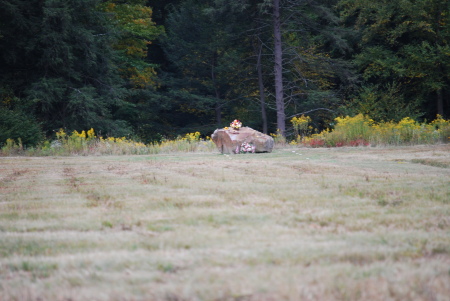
point(295, 224)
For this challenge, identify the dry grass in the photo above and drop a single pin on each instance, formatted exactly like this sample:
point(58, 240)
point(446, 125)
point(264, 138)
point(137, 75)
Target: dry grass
point(296, 224)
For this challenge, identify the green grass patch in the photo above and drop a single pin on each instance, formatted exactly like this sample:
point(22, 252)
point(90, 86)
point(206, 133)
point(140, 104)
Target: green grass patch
point(432, 162)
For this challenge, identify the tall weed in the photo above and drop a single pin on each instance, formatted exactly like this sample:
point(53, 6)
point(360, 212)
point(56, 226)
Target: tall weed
point(360, 130)
point(87, 143)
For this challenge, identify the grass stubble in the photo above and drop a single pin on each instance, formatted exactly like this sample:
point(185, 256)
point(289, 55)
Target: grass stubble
point(295, 224)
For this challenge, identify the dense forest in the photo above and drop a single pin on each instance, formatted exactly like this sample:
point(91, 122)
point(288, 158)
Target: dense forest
point(152, 69)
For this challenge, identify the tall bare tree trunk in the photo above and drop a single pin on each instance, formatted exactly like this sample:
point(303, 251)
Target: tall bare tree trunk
point(218, 107)
point(218, 110)
point(439, 92)
point(440, 103)
point(281, 116)
point(262, 95)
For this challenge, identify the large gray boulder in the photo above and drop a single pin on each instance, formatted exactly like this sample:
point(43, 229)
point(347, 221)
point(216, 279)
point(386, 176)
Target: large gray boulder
point(231, 141)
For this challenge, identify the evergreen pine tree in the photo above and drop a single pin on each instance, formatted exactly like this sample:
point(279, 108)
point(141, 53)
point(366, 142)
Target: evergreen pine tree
point(57, 56)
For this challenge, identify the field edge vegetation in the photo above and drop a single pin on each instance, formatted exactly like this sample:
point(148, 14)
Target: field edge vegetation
point(359, 130)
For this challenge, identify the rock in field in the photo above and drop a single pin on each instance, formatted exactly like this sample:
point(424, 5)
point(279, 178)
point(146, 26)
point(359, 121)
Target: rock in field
point(230, 141)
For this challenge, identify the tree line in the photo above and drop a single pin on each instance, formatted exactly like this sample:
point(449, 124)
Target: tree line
point(153, 69)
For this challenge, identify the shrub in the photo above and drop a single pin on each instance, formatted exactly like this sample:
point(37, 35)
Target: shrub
point(348, 130)
point(360, 130)
point(15, 125)
point(301, 126)
point(442, 127)
point(12, 147)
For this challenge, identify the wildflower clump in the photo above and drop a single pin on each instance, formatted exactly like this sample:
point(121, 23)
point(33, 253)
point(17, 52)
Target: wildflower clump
point(12, 147)
point(190, 142)
point(192, 137)
point(354, 131)
point(301, 126)
point(88, 143)
point(278, 138)
point(409, 131)
point(361, 130)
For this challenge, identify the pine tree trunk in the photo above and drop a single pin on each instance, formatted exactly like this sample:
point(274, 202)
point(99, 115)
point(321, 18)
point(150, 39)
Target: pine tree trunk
point(262, 95)
point(440, 103)
point(218, 110)
point(218, 107)
point(281, 117)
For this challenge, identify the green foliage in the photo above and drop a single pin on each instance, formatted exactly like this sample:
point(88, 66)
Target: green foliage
point(16, 125)
point(92, 63)
point(202, 46)
point(404, 45)
point(384, 103)
point(57, 55)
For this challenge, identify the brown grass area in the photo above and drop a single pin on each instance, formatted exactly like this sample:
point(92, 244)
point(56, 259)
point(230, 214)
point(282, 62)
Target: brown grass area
point(295, 224)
